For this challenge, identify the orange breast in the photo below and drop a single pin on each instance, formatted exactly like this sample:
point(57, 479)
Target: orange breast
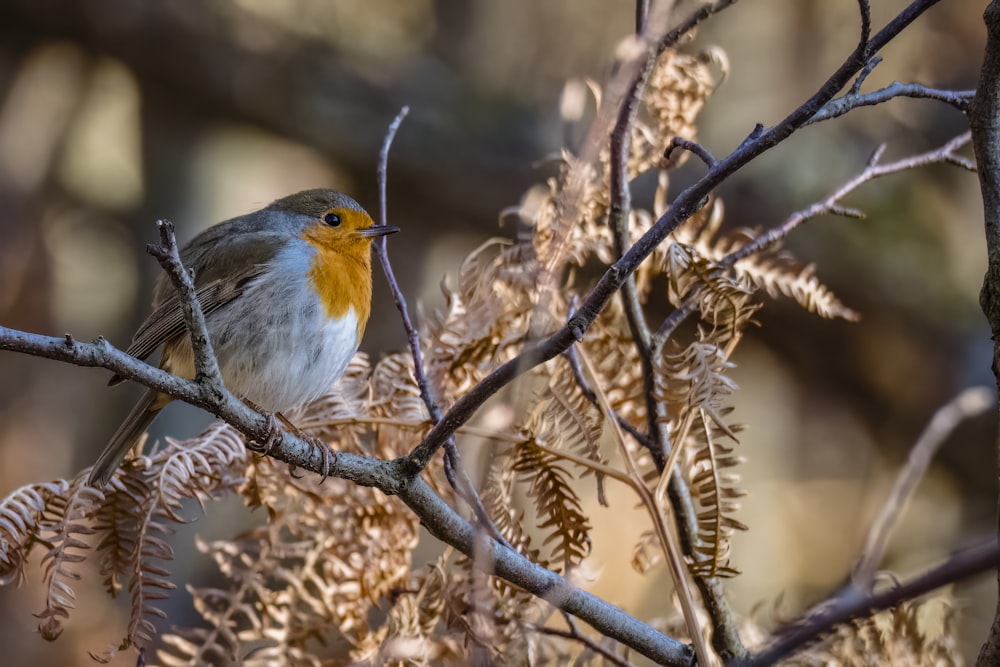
point(341, 274)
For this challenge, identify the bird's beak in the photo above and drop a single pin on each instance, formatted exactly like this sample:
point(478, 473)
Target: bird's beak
point(376, 231)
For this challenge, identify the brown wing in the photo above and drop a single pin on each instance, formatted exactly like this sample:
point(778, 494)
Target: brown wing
point(220, 277)
point(167, 321)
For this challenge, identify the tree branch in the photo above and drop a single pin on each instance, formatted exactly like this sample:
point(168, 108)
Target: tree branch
point(984, 120)
point(388, 476)
point(454, 470)
point(969, 403)
point(683, 207)
point(841, 610)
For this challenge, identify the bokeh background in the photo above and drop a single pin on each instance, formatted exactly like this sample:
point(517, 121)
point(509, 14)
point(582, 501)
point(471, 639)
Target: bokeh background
point(114, 113)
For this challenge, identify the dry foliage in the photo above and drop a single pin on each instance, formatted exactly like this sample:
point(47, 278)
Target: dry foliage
point(328, 576)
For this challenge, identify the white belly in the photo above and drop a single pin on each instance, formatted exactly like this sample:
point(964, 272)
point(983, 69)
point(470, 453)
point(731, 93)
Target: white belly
point(282, 356)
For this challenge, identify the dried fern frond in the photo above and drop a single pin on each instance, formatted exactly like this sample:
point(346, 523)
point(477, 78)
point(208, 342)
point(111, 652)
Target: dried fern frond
point(781, 275)
point(777, 273)
point(65, 529)
point(560, 516)
point(694, 386)
point(22, 514)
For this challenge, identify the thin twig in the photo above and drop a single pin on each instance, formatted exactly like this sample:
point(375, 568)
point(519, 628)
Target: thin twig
point(831, 205)
point(661, 523)
point(873, 170)
point(207, 373)
point(969, 403)
point(960, 99)
point(704, 12)
point(455, 472)
point(574, 634)
point(692, 147)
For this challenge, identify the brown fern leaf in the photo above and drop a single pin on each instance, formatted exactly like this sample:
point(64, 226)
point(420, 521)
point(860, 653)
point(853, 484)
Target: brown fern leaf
point(560, 516)
point(694, 386)
point(723, 301)
point(21, 516)
point(226, 610)
point(717, 496)
point(484, 319)
point(777, 273)
point(571, 420)
point(148, 579)
point(65, 526)
point(647, 552)
point(498, 499)
point(783, 276)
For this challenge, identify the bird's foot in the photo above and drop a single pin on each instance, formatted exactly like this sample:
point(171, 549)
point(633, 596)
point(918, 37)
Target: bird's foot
point(324, 449)
point(275, 422)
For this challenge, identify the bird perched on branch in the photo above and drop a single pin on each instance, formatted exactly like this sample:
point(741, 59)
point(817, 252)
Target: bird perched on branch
point(286, 293)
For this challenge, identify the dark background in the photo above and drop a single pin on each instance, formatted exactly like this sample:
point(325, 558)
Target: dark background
point(115, 113)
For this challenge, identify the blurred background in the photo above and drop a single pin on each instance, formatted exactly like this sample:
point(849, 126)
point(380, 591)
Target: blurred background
point(114, 113)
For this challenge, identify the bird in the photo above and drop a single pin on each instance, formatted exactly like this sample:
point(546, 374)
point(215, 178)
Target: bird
point(286, 292)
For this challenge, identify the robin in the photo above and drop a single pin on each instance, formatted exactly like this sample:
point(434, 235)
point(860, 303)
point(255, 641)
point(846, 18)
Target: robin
point(286, 293)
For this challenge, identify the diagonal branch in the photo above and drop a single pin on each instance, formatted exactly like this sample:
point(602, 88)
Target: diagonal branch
point(969, 403)
point(842, 610)
point(684, 206)
point(388, 476)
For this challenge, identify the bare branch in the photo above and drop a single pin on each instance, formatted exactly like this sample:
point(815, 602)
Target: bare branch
point(984, 120)
point(684, 205)
point(591, 645)
point(207, 373)
point(969, 403)
point(842, 610)
point(831, 204)
point(692, 147)
point(454, 470)
point(960, 99)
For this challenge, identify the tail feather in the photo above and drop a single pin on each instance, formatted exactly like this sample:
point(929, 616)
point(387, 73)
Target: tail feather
point(121, 442)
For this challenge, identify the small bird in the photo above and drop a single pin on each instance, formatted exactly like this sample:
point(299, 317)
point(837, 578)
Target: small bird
point(286, 293)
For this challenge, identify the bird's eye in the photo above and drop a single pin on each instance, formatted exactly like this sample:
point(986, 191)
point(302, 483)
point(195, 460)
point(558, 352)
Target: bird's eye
point(332, 219)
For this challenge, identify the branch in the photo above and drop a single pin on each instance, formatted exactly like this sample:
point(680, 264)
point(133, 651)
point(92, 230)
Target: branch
point(683, 207)
point(692, 147)
point(454, 470)
point(388, 476)
point(984, 120)
point(207, 373)
point(969, 403)
point(830, 205)
point(849, 607)
point(960, 99)
point(872, 170)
